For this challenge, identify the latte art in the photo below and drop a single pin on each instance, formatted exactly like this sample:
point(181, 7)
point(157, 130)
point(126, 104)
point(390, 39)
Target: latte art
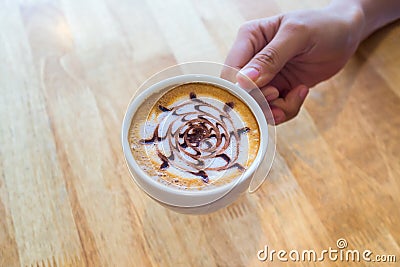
point(194, 136)
point(198, 136)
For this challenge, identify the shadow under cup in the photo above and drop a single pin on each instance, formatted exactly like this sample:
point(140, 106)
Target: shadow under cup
point(193, 201)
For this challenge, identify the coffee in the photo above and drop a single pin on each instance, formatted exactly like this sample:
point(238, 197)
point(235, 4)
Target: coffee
point(194, 136)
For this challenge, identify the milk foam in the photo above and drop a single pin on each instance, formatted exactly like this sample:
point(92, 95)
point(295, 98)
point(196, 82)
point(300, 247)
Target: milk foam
point(197, 140)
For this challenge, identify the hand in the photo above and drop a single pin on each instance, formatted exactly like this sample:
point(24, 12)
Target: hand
point(287, 54)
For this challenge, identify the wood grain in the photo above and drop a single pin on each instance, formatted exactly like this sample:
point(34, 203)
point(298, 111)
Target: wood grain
point(68, 71)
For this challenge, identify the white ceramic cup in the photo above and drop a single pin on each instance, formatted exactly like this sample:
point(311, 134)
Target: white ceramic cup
point(194, 201)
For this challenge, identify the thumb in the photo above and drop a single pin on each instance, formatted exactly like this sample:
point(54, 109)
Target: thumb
point(262, 68)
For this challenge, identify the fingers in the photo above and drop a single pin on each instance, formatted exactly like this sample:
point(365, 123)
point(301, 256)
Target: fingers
point(288, 42)
point(249, 41)
point(251, 38)
point(287, 108)
point(270, 93)
point(261, 50)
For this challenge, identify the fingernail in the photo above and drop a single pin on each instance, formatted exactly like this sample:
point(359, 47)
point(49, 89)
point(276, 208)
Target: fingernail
point(251, 73)
point(303, 92)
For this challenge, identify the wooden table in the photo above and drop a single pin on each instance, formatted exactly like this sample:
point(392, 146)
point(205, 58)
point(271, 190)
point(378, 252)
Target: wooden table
point(67, 72)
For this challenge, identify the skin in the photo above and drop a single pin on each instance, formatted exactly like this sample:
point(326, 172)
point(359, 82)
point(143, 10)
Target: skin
point(287, 54)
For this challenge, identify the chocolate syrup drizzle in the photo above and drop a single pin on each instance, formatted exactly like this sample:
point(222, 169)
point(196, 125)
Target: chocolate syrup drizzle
point(195, 137)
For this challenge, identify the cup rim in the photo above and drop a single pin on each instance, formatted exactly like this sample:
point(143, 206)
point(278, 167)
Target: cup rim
point(170, 194)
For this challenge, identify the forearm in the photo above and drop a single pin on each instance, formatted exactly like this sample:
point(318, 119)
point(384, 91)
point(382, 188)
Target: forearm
point(368, 15)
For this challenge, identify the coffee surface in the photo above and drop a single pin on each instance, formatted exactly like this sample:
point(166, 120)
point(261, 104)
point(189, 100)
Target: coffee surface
point(194, 136)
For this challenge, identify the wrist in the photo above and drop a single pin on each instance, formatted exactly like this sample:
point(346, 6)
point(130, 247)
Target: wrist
point(369, 15)
point(354, 17)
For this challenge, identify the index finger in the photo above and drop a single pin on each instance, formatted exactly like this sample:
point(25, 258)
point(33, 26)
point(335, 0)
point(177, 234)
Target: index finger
point(245, 46)
point(252, 36)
